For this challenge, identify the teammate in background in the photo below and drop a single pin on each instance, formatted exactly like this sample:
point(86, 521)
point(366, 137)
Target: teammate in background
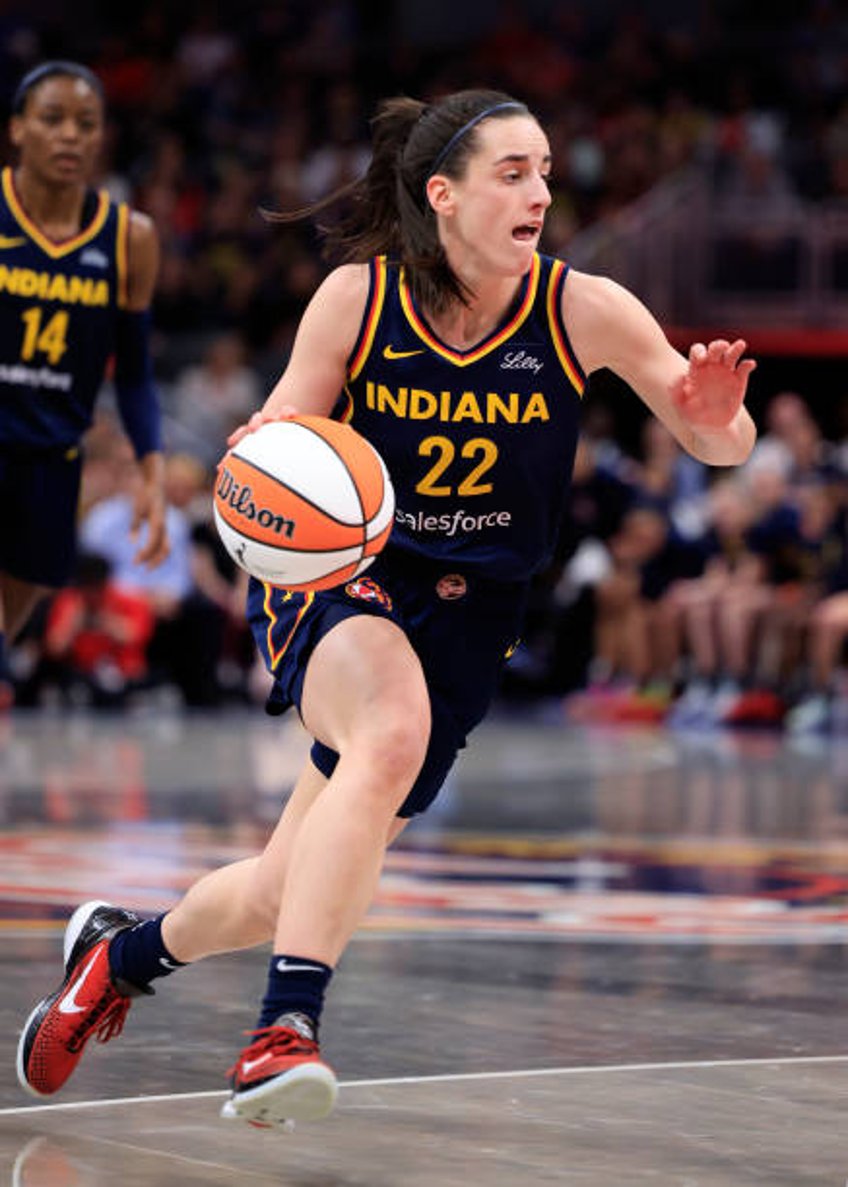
point(77, 273)
point(461, 352)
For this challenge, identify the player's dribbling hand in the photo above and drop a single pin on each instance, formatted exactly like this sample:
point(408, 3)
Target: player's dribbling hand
point(286, 412)
point(711, 392)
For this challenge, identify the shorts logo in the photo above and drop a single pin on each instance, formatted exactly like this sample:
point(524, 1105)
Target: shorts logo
point(451, 586)
point(368, 591)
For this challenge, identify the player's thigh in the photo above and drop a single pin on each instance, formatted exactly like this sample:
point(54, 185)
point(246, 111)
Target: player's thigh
point(364, 682)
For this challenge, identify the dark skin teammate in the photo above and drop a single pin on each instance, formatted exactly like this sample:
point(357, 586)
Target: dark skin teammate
point(58, 134)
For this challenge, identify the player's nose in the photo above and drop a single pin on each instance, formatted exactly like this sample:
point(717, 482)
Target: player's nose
point(541, 194)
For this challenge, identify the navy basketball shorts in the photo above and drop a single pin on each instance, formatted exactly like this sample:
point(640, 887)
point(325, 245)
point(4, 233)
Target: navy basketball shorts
point(460, 626)
point(39, 491)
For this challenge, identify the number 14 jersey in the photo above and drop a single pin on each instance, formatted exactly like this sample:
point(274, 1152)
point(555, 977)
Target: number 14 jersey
point(58, 302)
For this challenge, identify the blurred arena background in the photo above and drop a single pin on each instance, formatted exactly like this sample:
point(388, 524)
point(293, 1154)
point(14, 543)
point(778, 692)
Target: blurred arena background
point(701, 157)
point(657, 813)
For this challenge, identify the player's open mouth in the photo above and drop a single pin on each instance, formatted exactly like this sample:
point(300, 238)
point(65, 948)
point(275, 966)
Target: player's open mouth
point(527, 232)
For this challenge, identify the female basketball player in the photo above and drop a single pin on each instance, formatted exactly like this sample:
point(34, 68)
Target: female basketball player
point(76, 280)
point(462, 353)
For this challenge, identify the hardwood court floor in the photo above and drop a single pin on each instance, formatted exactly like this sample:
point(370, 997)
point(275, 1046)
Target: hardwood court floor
point(605, 958)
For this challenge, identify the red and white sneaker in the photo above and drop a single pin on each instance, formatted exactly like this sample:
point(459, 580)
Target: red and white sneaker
point(87, 1002)
point(281, 1077)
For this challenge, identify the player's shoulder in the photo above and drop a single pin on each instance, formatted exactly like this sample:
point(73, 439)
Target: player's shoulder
point(347, 282)
point(594, 300)
point(343, 292)
point(142, 228)
point(590, 287)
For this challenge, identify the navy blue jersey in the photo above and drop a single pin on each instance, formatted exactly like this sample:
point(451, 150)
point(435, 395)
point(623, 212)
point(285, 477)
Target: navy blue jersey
point(479, 443)
point(58, 304)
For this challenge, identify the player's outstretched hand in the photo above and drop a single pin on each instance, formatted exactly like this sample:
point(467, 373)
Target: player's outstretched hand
point(287, 412)
point(711, 392)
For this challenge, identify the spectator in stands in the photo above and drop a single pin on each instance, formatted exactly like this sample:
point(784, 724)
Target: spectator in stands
point(95, 639)
point(210, 398)
point(715, 615)
point(823, 704)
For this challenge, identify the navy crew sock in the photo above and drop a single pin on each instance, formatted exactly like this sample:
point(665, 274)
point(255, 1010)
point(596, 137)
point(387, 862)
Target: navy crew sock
point(139, 955)
point(296, 985)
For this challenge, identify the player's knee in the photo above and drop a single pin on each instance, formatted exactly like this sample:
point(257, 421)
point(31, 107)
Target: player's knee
point(395, 751)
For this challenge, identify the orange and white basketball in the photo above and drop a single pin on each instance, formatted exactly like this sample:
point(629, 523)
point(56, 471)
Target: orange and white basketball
point(305, 504)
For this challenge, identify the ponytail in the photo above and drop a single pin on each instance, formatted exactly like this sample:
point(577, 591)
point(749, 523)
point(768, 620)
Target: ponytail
point(386, 212)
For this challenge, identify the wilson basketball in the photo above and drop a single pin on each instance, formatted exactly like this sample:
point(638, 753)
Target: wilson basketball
point(305, 503)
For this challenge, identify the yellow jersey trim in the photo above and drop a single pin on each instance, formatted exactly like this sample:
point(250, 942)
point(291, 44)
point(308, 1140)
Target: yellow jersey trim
point(276, 655)
point(49, 246)
point(561, 345)
point(122, 255)
point(372, 317)
point(464, 358)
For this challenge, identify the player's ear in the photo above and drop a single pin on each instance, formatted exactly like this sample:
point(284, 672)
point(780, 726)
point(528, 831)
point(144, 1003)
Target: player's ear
point(440, 193)
point(16, 130)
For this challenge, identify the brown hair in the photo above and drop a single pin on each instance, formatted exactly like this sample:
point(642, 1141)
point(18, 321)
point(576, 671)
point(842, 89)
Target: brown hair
point(387, 210)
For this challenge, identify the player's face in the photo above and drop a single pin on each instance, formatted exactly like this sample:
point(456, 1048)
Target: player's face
point(60, 131)
point(502, 199)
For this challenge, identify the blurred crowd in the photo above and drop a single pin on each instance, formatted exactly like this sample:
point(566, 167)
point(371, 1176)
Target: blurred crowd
point(686, 587)
point(699, 597)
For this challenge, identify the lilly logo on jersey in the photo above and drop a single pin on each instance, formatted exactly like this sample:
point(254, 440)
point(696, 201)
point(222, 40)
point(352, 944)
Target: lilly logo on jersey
point(520, 360)
point(240, 497)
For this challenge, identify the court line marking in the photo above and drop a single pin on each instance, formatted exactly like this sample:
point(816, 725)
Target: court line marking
point(455, 1078)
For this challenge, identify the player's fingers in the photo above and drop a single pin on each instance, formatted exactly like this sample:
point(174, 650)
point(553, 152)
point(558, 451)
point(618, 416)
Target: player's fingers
point(697, 353)
point(716, 350)
point(137, 517)
point(155, 550)
point(746, 367)
point(287, 412)
point(734, 353)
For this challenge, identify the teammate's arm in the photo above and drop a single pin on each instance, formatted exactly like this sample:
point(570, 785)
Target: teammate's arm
point(317, 369)
point(137, 399)
point(699, 399)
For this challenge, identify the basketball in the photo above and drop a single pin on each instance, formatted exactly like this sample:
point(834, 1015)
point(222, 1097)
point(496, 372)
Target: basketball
point(305, 504)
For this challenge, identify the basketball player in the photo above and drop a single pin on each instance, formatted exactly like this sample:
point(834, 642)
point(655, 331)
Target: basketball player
point(76, 280)
point(462, 354)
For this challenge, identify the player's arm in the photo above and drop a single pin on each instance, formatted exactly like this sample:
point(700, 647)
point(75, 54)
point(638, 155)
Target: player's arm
point(138, 402)
point(699, 399)
point(317, 369)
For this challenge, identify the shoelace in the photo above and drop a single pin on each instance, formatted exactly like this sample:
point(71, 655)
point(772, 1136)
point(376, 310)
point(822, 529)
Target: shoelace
point(279, 1040)
point(105, 1021)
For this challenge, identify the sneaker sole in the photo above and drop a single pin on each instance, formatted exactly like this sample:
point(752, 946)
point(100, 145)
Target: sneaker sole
point(72, 933)
point(306, 1093)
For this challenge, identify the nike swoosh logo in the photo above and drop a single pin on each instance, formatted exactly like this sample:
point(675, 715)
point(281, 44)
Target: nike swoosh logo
point(283, 966)
point(11, 241)
point(69, 1004)
point(389, 352)
point(249, 1064)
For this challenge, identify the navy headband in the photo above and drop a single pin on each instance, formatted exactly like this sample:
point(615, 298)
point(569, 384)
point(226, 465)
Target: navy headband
point(57, 69)
point(466, 128)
